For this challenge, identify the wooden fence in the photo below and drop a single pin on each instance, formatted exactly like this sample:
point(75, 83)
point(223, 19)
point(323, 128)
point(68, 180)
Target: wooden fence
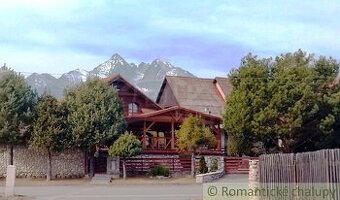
point(140, 164)
point(318, 169)
point(237, 165)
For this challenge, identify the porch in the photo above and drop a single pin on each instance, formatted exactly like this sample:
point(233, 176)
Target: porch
point(156, 130)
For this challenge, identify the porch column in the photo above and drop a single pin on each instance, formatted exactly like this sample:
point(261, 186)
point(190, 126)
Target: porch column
point(172, 135)
point(218, 135)
point(219, 139)
point(144, 135)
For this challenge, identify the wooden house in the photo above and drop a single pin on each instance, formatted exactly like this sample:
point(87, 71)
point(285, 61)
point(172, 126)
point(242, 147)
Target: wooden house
point(155, 123)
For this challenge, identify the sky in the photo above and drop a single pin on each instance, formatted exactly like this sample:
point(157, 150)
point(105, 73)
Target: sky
point(207, 38)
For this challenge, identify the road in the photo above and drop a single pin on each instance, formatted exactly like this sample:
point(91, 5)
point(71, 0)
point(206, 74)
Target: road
point(114, 192)
point(180, 191)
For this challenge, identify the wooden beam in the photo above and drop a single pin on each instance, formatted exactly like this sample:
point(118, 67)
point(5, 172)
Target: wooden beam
point(177, 116)
point(218, 135)
point(172, 135)
point(144, 135)
point(148, 128)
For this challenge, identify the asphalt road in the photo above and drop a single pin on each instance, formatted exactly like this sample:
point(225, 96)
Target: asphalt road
point(184, 191)
point(114, 192)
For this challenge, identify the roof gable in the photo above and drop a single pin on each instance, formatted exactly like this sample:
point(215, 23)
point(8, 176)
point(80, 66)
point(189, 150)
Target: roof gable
point(117, 77)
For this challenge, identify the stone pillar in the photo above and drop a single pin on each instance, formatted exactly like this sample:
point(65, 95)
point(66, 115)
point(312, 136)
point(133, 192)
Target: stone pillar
point(113, 166)
point(10, 181)
point(254, 175)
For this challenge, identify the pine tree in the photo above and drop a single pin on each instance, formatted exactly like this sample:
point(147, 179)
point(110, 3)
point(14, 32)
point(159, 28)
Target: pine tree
point(50, 129)
point(192, 135)
point(96, 115)
point(127, 145)
point(202, 168)
point(16, 103)
point(278, 100)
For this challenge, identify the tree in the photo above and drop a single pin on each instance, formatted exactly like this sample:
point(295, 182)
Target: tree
point(127, 145)
point(202, 167)
point(50, 129)
point(16, 103)
point(96, 115)
point(278, 100)
point(192, 135)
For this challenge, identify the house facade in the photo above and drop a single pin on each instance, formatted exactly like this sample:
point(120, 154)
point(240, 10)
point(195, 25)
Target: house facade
point(155, 123)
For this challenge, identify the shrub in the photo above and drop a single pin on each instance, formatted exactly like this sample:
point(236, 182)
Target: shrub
point(214, 165)
point(159, 171)
point(202, 168)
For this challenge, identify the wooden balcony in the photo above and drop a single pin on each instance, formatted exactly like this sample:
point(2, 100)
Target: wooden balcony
point(156, 143)
point(162, 145)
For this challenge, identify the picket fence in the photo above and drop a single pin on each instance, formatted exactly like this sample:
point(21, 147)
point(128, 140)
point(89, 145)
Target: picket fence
point(314, 170)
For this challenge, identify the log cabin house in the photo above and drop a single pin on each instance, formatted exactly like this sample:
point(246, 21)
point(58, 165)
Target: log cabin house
point(154, 123)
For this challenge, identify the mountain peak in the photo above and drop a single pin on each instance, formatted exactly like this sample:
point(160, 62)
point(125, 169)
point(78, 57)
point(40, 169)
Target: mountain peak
point(157, 60)
point(116, 56)
point(146, 76)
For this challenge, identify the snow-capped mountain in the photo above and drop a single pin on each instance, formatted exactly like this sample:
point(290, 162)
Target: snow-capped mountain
point(147, 77)
point(115, 65)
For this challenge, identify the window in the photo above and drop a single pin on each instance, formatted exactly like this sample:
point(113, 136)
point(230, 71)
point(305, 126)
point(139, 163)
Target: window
point(133, 108)
point(117, 87)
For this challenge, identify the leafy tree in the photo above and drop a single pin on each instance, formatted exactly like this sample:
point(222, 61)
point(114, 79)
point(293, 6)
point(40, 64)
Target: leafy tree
point(192, 135)
point(50, 129)
point(16, 103)
point(127, 145)
point(278, 100)
point(96, 115)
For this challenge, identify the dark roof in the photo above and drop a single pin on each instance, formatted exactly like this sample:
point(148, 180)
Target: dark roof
point(199, 94)
point(115, 77)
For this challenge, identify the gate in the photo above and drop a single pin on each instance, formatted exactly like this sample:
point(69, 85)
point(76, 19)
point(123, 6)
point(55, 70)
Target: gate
point(237, 165)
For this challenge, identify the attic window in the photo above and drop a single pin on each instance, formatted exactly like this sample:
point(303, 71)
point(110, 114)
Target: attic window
point(133, 108)
point(117, 87)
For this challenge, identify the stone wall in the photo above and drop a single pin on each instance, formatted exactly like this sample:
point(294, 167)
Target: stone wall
point(33, 163)
point(3, 160)
point(211, 159)
point(209, 177)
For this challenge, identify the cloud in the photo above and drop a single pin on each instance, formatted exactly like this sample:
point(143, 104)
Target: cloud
point(196, 35)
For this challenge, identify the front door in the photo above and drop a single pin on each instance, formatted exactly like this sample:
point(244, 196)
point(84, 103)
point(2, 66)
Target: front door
point(100, 164)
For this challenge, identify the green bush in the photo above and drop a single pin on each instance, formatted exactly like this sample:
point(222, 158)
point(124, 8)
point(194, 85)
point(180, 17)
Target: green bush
point(202, 168)
point(159, 171)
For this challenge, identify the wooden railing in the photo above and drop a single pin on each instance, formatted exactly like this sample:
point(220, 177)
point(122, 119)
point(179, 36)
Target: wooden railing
point(237, 165)
point(157, 142)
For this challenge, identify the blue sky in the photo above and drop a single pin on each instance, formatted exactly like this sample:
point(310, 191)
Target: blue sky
point(208, 38)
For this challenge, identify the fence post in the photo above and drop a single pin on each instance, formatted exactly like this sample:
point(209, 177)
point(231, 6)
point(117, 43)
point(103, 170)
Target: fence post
point(10, 180)
point(142, 164)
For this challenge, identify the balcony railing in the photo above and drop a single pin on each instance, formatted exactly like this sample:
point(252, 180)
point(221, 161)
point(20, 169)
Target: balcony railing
point(157, 142)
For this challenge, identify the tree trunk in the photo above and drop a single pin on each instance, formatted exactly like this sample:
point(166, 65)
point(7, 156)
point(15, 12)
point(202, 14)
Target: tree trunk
point(124, 169)
point(10, 155)
point(91, 174)
point(49, 166)
point(193, 164)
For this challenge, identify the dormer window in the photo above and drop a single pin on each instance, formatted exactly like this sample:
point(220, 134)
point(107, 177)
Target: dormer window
point(133, 108)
